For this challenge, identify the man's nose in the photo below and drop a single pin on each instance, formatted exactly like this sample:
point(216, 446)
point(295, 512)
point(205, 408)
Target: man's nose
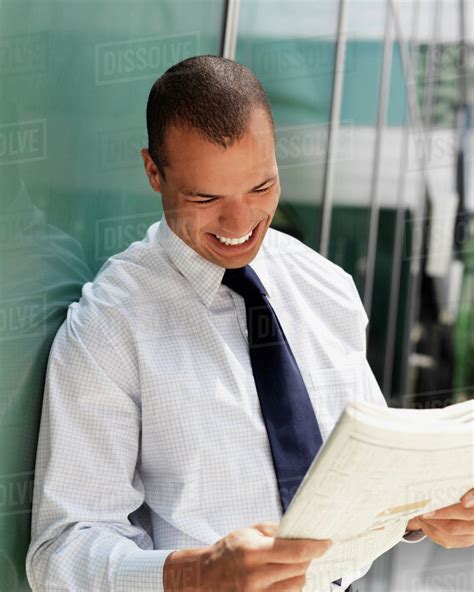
point(235, 219)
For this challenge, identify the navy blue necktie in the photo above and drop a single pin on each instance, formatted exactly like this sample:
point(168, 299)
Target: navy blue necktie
point(291, 424)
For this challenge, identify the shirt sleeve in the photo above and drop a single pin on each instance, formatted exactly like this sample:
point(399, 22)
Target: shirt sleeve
point(371, 390)
point(86, 479)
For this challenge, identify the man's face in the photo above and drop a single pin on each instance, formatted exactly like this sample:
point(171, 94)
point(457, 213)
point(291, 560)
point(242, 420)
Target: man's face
point(213, 192)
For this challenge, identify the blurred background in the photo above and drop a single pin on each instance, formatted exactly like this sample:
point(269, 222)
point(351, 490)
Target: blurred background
point(373, 102)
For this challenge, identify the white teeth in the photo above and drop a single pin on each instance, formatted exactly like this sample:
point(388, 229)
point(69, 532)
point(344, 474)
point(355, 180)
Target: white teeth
point(234, 241)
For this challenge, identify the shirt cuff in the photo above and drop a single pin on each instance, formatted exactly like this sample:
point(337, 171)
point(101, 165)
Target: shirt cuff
point(413, 536)
point(142, 571)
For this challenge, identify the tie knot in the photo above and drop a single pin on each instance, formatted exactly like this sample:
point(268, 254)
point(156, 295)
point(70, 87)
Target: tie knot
point(244, 281)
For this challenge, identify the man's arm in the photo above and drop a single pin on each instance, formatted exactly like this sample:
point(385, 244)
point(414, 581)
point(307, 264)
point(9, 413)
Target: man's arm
point(245, 560)
point(87, 486)
point(86, 482)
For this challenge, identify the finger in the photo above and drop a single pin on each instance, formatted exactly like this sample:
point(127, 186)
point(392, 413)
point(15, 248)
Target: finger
point(452, 527)
point(290, 585)
point(468, 499)
point(278, 572)
point(296, 550)
point(455, 512)
point(413, 524)
point(266, 528)
point(448, 542)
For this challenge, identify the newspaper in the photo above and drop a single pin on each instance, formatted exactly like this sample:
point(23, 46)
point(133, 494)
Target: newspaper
point(379, 468)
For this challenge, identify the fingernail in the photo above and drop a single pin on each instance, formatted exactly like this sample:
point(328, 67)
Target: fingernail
point(429, 515)
point(469, 502)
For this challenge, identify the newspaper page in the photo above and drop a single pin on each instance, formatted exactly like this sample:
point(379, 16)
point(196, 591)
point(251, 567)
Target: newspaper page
point(373, 475)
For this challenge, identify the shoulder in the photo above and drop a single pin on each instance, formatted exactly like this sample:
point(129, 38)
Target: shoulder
point(314, 275)
point(291, 250)
point(116, 283)
point(303, 260)
point(123, 285)
point(103, 322)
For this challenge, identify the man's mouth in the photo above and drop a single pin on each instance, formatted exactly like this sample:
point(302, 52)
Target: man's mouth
point(235, 243)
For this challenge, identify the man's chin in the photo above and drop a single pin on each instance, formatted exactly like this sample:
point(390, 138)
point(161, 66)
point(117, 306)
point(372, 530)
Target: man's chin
point(232, 262)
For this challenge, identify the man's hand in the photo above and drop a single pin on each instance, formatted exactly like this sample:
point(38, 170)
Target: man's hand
point(451, 527)
point(253, 560)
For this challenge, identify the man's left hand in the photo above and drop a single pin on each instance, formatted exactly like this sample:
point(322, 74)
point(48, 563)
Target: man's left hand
point(451, 527)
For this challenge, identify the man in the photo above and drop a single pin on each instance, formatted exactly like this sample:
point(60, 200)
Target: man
point(154, 469)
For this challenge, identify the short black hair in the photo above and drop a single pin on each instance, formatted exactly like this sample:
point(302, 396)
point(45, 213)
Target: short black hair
point(211, 94)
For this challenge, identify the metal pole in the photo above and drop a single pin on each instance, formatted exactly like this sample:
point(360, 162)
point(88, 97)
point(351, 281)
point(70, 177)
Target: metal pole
point(374, 187)
point(414, 111)
point(463, 50)
point(410, 76)
point(333, 131)
point(231, 29)
point(399, 229)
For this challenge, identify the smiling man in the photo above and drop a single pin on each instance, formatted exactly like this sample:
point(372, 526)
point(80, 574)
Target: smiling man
point(191, 386)
point(219, 201)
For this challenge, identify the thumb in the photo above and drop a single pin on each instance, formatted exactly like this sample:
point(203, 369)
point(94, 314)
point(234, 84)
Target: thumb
point(468, 499)
point(267, 528)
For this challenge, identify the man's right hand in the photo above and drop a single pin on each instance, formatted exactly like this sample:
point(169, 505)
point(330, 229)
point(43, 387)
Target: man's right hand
point(250, 559)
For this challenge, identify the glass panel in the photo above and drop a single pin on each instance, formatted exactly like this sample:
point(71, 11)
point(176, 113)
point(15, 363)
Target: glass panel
point(75, 78)
point(353, 173)
point(290, 46)
point(445, 294)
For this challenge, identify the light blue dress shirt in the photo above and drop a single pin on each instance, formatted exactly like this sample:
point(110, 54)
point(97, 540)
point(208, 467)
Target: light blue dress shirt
point(151, 434)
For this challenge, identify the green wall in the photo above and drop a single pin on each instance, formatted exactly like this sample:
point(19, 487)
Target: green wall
point(75, 78)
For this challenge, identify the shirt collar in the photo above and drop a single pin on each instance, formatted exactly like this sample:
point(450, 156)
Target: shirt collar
point(204, 276)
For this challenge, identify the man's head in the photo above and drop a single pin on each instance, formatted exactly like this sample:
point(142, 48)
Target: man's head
point(211, 154)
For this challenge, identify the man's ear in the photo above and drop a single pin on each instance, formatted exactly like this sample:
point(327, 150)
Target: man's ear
point(151, 170)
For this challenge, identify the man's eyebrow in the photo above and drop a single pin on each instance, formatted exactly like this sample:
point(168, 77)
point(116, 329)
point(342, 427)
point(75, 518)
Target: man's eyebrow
point(193, 193)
